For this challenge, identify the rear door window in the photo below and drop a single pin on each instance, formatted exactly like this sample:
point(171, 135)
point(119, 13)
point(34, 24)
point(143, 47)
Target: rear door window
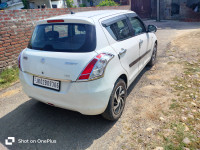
point(64, 38)
point(119, 30)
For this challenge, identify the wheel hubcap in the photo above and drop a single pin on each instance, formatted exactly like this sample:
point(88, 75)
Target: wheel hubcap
point(119, 100)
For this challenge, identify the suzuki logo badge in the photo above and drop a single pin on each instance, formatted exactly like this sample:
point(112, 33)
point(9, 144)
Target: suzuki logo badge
point(42, 60)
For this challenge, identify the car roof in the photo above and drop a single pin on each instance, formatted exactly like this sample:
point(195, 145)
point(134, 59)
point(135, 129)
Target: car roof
point(92, 14)
point(99, 13)
point(88, 15)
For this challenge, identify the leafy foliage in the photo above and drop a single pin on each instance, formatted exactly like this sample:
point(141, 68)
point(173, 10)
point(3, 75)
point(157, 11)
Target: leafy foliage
point(70, 3)
point(107, 3)
point(82, 5)
point(26, 4)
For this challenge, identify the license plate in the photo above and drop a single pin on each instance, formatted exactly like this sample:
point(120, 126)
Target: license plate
point(46, 83)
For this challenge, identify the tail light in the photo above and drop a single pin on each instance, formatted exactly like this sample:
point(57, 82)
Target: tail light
point(95, 69)
point(19, 62)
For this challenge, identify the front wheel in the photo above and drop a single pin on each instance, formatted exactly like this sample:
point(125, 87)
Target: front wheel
point(116, 102)
point(153, 57)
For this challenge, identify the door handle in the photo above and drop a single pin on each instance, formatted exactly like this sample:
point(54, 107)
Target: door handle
point(140, 43)
point(123, 51)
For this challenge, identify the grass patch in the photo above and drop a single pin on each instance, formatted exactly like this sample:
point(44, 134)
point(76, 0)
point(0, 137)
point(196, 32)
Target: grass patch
point(187, 89)
point(8, 76)
point(175, 141)
point(174, 105)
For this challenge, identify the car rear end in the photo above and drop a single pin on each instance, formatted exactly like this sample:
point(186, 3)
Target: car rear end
point(61, 66)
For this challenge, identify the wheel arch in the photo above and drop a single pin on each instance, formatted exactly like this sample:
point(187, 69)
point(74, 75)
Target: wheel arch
point(156, 41)
point(124, 77)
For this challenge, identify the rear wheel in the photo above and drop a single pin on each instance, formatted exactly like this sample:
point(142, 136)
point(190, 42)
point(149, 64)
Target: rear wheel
point(116, 102)
point(153, 57)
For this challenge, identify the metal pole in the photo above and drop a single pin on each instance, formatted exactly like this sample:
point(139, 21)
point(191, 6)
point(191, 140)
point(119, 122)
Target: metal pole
point(64, 4)
point(158, 10)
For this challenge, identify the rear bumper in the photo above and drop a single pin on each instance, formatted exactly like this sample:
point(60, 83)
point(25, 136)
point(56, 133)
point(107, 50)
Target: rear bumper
point(89, 98)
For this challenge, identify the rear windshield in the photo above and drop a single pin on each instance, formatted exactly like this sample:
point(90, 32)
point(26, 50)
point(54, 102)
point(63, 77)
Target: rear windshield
point(64, 37)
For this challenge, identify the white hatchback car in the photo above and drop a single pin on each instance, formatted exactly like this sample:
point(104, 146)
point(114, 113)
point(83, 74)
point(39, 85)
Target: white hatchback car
point(86, 61)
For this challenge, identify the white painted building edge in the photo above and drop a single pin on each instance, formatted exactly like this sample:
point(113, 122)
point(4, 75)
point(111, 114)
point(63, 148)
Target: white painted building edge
point(15, 6)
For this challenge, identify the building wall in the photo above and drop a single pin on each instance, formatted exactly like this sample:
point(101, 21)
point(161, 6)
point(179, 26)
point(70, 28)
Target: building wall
point(37, 3)
point(59, 3)
point(16, 6)
point(16, 27)
point(13, 4)
point(187, 14)
point(166, 9)
point(190, 2)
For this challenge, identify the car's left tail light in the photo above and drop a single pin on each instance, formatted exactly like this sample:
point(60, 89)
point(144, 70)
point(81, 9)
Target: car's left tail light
point(19, 62)
point(96, 67)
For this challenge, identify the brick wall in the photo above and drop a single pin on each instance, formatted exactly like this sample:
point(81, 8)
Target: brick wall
point(16, 27)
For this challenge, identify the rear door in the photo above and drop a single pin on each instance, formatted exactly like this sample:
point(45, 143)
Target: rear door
point(123, 42)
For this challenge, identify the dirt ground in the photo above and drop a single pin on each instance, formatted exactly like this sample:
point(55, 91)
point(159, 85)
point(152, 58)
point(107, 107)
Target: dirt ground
point(145, 123)
point(148, 121)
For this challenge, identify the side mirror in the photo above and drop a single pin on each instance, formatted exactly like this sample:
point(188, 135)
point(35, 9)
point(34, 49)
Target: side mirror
point(151, 28)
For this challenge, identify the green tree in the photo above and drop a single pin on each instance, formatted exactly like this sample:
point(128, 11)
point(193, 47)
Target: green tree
point(26, 4)
point(82, 5)
point(70, 3)
point(107, 3)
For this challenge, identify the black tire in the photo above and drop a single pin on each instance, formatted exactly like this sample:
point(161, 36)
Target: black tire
point(153, 56)
point(117, 98)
